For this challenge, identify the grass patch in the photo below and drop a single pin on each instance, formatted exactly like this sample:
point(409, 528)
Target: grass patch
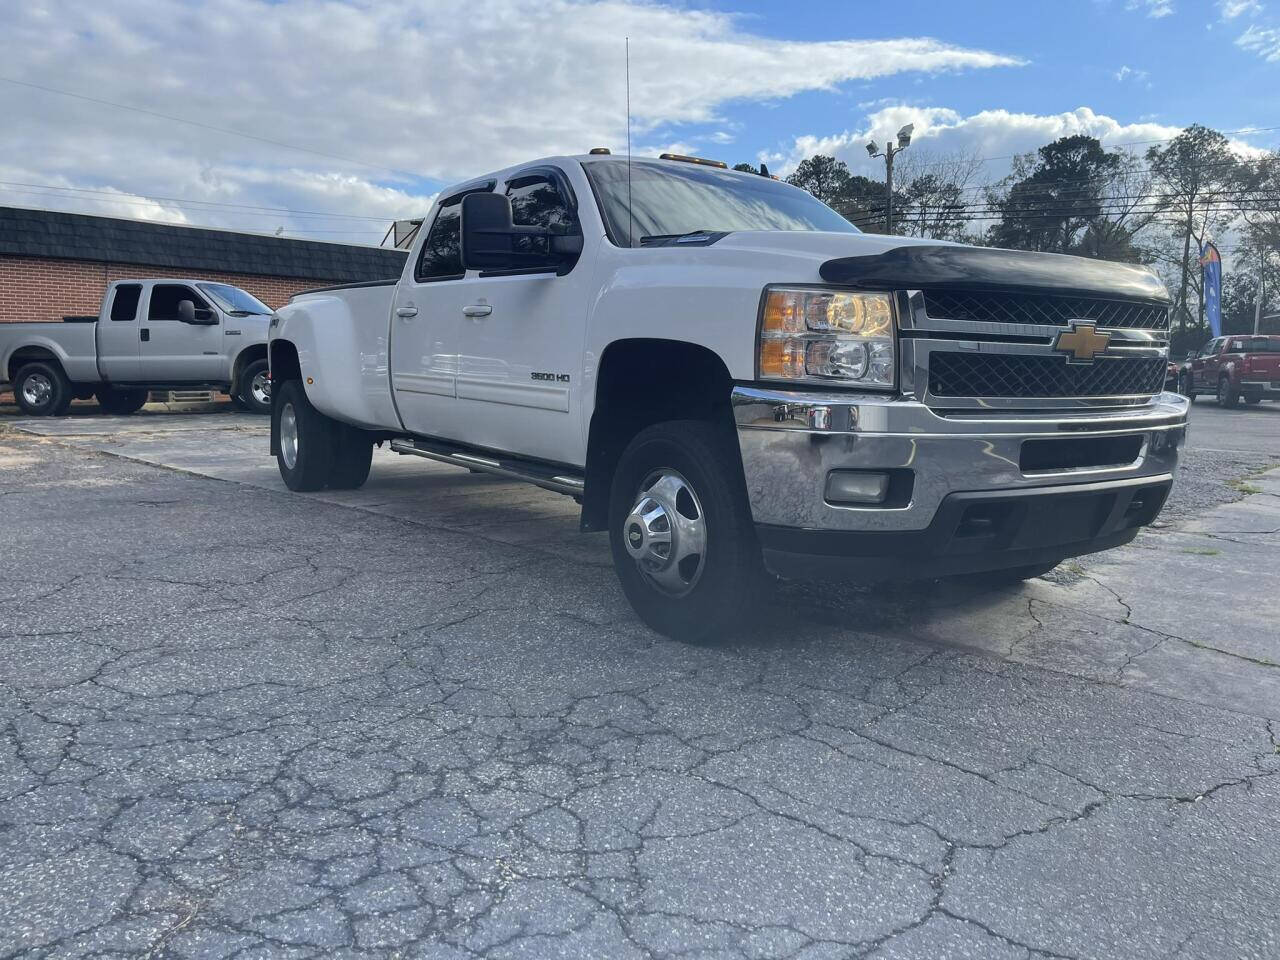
point(1201, 551)
point(1241, 485)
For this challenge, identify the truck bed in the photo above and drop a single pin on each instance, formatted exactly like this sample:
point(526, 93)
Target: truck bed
point(75, 345)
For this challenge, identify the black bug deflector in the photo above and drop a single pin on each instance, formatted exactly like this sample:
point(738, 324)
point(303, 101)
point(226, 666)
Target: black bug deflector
point(929, 266)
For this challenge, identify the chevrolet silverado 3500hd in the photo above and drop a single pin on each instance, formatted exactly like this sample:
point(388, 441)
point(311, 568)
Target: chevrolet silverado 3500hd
point(148, 335)
point(730, 378)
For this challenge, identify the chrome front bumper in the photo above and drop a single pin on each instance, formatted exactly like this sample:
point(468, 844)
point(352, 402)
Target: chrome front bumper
point(791, 440)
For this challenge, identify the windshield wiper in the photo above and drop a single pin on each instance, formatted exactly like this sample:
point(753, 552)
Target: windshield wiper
point(675, 237)
point(247, 313)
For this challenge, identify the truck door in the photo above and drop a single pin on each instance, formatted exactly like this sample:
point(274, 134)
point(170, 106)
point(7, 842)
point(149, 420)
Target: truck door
point(175, 352)
point(118, 343)
point(425, 316)
point(521, 338)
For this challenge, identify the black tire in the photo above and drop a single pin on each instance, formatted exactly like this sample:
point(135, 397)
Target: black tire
point(714, 590)
point(238, 403)
point(353, 454)
point(42, 390)
point(327, 453)
point(121, 402)
point(249, 391)
point(306, 447)
point(1252, 401)
point(1184, 387)
point(1228, 395)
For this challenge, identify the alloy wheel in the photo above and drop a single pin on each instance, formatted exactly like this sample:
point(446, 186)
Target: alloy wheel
point(289, 436)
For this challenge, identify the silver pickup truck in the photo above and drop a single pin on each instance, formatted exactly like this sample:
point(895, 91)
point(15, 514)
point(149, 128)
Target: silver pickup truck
point(149, 335)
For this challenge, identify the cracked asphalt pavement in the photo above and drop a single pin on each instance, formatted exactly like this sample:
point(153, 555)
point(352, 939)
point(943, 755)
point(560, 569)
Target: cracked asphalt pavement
point(418, 720)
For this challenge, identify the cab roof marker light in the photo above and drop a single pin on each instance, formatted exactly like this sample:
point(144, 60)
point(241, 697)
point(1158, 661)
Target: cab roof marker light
point(719, 164)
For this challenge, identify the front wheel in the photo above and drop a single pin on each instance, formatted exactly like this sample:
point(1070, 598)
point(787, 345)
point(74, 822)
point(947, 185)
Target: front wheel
point(680, 529)
point(42, 390)
point(1228, 395)
point(254, 392)
point(121, 402)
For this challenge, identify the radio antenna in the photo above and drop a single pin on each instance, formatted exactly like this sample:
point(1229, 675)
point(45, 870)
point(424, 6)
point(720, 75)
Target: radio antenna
point(630, 240)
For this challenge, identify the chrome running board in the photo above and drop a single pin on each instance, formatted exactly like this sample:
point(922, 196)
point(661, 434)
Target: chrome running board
point(543, 475)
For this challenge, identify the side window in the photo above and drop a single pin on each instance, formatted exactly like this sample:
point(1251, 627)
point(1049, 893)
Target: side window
point(1209, 349)
point(1236, 346)
point(124, 306)
point(165, 298)
point(536, 201)
point(441, 257)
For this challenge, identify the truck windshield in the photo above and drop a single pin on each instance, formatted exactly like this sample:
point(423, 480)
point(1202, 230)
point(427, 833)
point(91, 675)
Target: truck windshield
point(674, 199)
point(234, 300)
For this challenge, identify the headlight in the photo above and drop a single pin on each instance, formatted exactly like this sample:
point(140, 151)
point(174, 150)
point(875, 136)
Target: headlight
point(827, 335)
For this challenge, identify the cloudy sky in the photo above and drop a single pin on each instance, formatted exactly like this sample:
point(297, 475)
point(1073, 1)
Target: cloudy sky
point(329, 118)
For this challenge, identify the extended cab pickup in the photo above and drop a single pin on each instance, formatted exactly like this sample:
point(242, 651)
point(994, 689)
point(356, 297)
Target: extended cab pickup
point(1235, 368)
point(731, 378)
point(149, 334)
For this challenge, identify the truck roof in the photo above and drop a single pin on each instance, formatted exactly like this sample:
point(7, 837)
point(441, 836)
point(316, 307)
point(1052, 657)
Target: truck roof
point(569, 159)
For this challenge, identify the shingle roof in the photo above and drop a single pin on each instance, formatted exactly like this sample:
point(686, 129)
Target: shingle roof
point(76, 236)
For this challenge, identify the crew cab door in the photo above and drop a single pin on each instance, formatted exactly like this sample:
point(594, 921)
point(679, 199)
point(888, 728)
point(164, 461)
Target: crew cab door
point(118, 343)
point(521, 337)
point(425, 315)
point(171, 351)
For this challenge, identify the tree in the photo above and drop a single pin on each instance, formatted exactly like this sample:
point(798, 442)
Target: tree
point(1052, 196)
point(1197, 177)
point(931, 201)
point(746, 168)
point(825, 177)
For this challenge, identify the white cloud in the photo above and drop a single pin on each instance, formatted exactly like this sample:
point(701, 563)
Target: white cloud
point(1155, 9)
point(1132, 73)
point(1231, 9)
point(996, 135)
point(438, 91)
point(1264, 41)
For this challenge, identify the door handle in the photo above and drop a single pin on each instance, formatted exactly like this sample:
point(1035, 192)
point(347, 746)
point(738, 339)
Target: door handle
point(145, 335)
point(477, 310)
point(406, 313)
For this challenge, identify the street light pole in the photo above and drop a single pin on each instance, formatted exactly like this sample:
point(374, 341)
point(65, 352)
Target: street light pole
point(904, 141)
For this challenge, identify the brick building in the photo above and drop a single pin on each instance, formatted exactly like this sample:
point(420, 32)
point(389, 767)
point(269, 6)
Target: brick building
point(58, 264)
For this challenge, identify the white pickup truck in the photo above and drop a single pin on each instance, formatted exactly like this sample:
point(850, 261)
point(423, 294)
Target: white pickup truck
point(731, 378)
point(149, 335)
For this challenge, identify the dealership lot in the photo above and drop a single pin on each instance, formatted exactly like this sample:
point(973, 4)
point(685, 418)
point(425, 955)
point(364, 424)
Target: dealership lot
point(420, 718)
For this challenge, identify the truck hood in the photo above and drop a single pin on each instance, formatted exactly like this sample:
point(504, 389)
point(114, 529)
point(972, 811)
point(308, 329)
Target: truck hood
point(887, 262)
point(818, 245)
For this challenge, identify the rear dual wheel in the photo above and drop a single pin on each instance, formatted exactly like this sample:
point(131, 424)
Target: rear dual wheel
point(315, 451)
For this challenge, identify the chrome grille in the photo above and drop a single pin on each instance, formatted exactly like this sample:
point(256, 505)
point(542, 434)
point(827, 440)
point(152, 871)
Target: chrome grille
point(987, 307)
point(1027, 376)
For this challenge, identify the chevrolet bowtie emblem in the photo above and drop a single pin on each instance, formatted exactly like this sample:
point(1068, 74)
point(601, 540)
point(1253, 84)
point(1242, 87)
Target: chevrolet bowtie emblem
point(1082, 342)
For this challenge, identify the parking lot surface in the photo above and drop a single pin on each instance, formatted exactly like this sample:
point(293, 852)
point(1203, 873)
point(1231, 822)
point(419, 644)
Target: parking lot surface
point(419, 720)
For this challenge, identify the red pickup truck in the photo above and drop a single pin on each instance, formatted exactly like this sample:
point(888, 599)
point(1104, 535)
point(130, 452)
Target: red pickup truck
point(1242, 367)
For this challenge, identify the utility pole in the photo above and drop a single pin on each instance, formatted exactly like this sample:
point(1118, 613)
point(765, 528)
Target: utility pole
point(904, 141)
point(1257, 307)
